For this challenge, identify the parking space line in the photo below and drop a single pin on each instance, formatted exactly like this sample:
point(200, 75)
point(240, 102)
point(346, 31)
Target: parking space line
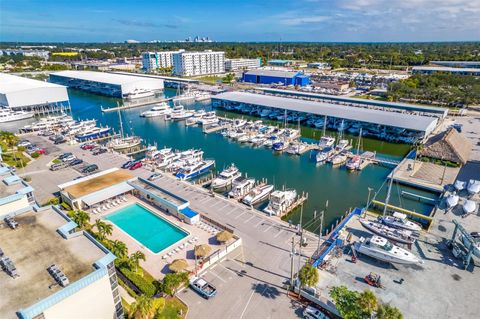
point(261, 221)
point(238, 216)
point(231, 211)
point(214, 274)
point(249, 219)
point(233, 272)
point(278, 234)
point(268, 228)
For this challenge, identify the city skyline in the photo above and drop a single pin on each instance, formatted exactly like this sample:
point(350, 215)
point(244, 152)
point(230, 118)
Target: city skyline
point(265, 21)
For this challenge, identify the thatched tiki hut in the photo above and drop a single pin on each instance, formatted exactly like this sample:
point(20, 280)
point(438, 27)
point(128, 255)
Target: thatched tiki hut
point(449, 146)
point(224, 236)
point(202, 250)
point(178, 265)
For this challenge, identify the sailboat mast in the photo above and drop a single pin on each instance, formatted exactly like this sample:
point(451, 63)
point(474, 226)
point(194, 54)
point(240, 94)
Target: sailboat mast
point(359, 139)
point(324, 125)
point(120, 120)
point(389, 191)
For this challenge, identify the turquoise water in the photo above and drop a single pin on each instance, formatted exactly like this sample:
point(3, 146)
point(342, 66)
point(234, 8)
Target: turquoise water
point(148, 229)
point(343, 190)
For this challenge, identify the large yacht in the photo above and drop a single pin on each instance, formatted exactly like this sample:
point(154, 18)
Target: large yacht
point(326, 141)
point(280, 201)
point(257, 195)
point(226, 177)
point(195, 169)
point(7, 115)
point(93, 133)
point(179, 113)
point(241, 186)
point(399, 220)
point(139, 93)
point(157, 110)
point(380, 248)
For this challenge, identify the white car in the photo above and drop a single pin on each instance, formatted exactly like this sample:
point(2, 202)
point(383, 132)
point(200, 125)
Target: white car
point(69, 158)
point(313, 313)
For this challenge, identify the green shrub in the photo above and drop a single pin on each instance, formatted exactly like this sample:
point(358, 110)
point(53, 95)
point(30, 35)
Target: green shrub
point(21, 148)
point(65, 206)
point(56, 161)
point(35, 155)
point(54, 201)
point(27, 179)
point(146, 287)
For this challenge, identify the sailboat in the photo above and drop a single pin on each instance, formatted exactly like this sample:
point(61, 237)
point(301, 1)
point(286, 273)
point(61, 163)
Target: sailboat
point(355, 162)
point(123, 142)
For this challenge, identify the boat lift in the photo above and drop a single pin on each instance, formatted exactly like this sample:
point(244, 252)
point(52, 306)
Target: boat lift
point(458, 247)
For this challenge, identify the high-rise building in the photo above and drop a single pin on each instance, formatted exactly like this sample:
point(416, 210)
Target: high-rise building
point(157, 60)
point(242, 64)
point(198, 63)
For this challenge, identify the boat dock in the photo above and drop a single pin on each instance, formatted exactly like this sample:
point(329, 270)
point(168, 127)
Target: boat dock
point(300, 200)
point(213, 129)
point(133, 105)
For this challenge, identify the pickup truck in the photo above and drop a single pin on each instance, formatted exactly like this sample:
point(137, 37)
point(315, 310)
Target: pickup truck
point(202, 287)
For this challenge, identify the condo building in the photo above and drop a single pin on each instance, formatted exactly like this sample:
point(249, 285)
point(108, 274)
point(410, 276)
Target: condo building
point(242, 64)
point(157, 60)
point(198, 63)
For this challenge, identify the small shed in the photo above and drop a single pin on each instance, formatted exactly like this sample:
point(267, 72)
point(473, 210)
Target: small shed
point(448, 146)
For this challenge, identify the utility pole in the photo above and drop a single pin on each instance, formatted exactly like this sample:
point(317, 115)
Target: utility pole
point(301, 239)
point(320, 231)
point(292, 255)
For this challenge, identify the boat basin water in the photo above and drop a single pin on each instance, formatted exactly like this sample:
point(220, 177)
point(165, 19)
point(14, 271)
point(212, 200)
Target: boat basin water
point(146, 227)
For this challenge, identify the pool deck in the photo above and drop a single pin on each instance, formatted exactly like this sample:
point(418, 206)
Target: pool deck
point(155, 263)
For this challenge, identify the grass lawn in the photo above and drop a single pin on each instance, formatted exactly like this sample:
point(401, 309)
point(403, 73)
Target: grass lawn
point(172, 309)
point(209, 79)
point(14, 159)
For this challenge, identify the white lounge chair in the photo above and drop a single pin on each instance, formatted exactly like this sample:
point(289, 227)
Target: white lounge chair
point(165, 257)
point(196, 238)
point(170, 253)
point(177, 250)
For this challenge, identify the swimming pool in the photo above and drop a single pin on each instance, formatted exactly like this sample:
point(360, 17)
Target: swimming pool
point(146, 227)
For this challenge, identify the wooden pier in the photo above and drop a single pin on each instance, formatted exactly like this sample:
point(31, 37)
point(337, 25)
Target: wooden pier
point(300, 200)
point(208, 130)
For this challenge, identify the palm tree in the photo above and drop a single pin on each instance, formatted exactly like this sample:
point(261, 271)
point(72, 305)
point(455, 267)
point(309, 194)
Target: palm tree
point(103, 229)
point(143, 308)
point(81, 218)
point(308, 276)
point(119, 249)
point(134, 259)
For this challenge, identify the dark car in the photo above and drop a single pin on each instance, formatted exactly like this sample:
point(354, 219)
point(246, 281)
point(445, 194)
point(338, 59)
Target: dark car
point(76, 161)
point(90, 169)
point(64, 155)
point(128, 164)
point(99, 151)
point(59, 140)
point(136, 165)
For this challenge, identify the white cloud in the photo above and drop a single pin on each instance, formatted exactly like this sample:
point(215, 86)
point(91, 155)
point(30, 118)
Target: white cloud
point(304, 20)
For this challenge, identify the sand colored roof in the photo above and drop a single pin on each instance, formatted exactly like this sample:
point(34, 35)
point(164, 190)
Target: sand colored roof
point(98, 183)
point(450, 145)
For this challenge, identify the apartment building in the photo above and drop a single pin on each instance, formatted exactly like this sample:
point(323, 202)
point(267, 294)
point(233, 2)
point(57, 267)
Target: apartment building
point(157, 60)
point(198, 63)
point(242, 64)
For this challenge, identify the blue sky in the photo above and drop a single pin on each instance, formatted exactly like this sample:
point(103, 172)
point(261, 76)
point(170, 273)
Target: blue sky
point(240, 20)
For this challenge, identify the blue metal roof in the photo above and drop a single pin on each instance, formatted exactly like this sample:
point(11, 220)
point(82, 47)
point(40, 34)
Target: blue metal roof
point(188, 212)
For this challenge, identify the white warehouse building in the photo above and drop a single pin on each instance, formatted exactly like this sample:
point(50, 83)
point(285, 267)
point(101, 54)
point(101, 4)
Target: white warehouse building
point(17, 92)
point(242, 64)
point(198, 63)
point(111, 84)
point(157, 60)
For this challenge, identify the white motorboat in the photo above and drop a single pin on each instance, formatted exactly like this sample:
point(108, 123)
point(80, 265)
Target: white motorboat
point(237, 123)
point(469, 206)
point(399, 220)
point(473, 187)
point(395, 234)
point(157, 110)
point(326, 141)
point(226, 177)
point(179, 113)
point(195, 169)
point(323, 155)
point(7, 115)
point(341, 145)
point(459, 185)
point(380, 248)
point(280, 201)
point(452, 200)
point(257, 195)
point(139, 93)
point(354, 163)
point(338, 159)
point(121, 143)
point(241, 186)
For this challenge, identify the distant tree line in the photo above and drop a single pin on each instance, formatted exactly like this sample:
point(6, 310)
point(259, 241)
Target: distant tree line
point(438, 88)
point(349, 55)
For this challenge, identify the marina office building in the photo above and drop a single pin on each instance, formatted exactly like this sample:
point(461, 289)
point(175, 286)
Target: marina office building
point(261, 76)
point(401, 123)
point(157, 60)
point(198, 63)
point(458, 64)
point(111, 84)
point(84, 284)
point(242, 64)
point(19, 93)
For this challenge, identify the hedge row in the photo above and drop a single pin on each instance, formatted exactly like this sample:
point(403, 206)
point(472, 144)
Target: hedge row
point(145, 286)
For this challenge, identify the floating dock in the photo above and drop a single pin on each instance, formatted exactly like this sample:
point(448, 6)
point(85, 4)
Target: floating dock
point(133, 105)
